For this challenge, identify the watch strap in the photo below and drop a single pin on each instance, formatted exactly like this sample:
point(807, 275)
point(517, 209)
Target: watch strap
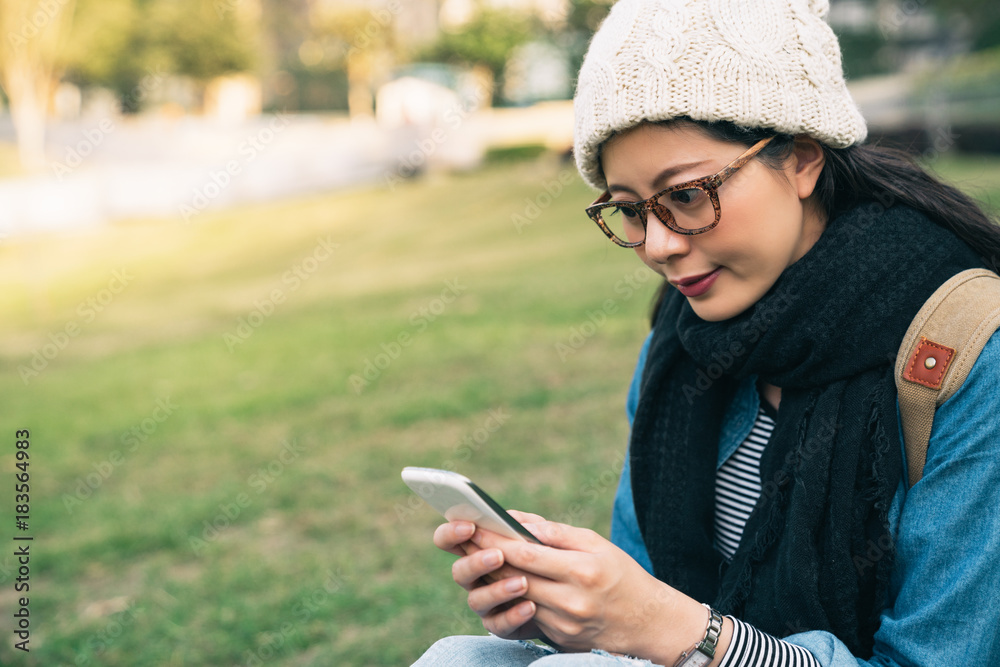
point(704, 652)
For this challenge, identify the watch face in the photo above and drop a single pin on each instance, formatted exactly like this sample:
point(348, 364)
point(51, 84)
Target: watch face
point(695, 659)
point(699, 659)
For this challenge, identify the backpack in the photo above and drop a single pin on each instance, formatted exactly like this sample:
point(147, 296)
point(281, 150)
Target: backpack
point(938, 351)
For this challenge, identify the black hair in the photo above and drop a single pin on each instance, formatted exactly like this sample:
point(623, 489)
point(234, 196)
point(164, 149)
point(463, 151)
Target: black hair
point(871, 173)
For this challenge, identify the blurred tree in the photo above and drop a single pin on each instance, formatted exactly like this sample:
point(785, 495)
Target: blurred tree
point(33, 33)
point(102, 33)
point(488, 39)
point(115, 43)
point(981, 19)
point(356, 40)
point(582, 21)
point(864, 53)
point(112, 43)
point(283, 25)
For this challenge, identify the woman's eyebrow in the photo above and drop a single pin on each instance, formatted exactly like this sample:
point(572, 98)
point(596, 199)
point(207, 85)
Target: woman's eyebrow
point(660, 178)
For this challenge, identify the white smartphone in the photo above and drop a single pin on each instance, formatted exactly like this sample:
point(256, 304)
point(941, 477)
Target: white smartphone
point(457, 498)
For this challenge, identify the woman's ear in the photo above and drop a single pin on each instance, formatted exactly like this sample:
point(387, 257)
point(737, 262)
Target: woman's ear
point(809, 159)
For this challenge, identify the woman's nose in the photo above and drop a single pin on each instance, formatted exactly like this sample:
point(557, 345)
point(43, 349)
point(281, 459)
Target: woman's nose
point(662, 243)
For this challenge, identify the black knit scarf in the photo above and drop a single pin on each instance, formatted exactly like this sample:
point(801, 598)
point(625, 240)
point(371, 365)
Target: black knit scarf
point(816, 553)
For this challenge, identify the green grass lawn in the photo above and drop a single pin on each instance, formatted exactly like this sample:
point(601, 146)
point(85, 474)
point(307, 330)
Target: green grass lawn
point(219, 411)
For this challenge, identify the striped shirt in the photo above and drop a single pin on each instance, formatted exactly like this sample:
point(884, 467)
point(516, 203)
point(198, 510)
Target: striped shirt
point(752, 648)
point(737, 488)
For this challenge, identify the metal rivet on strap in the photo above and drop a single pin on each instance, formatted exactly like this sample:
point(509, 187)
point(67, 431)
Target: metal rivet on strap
point(930, 362)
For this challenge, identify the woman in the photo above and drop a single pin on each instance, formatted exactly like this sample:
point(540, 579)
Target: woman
point(763, 518)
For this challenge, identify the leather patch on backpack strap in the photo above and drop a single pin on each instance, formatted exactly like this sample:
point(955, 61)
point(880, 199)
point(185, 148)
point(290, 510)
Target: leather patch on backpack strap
point(929, 363)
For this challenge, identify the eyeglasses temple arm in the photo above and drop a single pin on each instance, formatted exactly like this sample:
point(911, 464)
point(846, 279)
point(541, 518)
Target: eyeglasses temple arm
point(738, 164)
point(602, 199)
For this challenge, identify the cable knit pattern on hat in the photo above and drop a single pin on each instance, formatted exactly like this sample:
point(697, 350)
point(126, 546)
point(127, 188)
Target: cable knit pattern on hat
point(757, 63)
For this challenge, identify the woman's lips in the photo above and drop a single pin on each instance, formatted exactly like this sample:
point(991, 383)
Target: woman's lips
point(697, 285)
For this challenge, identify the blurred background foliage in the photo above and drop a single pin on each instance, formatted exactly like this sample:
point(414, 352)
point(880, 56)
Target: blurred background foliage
point(112, 43)
point(333, 55)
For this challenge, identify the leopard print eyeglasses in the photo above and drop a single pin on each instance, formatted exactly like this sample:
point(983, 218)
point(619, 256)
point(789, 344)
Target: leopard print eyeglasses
point(688, 208)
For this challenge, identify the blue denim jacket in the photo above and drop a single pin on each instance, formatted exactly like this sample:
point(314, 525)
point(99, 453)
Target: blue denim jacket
point(944, 607)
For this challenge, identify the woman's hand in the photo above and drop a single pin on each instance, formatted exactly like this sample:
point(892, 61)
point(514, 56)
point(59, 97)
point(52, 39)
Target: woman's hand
point(494, 588)
point(586, 593)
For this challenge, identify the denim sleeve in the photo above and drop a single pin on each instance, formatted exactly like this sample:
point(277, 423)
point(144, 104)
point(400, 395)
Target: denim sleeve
point(947, 575)
point(624, 524)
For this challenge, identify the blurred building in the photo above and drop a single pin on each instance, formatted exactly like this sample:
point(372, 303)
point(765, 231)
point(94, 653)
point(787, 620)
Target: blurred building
point(911, 70)
point(888, 36)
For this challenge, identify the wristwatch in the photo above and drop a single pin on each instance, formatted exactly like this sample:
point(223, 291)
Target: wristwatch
point(703, 653)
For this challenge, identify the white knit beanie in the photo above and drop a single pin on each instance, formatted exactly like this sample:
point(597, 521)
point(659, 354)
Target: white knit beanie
point(757, 63)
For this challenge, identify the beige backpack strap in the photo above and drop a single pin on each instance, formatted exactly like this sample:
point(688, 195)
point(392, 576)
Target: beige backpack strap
point(943, 342)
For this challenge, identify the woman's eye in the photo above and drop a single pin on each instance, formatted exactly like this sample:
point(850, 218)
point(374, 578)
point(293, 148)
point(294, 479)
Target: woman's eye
point(623, 210)
point(688, 197)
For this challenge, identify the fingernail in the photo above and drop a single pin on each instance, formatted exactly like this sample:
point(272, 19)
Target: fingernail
point(516, 585)
point(526, 609)
point(491, 559)
point(464, 529)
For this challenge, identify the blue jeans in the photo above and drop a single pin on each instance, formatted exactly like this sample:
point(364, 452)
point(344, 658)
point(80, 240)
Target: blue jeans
point(490, 651)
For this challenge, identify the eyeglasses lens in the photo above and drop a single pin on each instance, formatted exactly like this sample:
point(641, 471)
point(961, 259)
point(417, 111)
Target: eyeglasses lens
point(689, 209)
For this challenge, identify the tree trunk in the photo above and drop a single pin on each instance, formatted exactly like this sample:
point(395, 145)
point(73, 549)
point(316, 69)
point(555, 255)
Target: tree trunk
point(33, 33)
point(360, 101)
point(28, 92)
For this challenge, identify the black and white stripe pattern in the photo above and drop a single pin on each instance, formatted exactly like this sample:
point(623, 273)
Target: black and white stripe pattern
point(752, 648)
point(737, 486)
